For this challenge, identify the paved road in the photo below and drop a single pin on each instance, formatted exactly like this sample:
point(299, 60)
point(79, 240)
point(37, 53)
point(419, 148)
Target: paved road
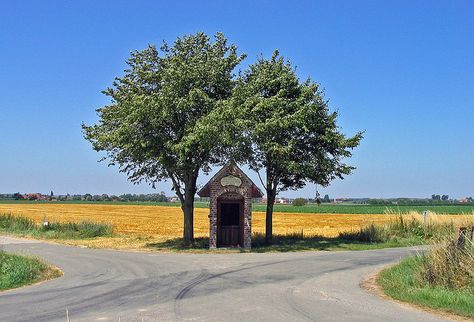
point(103, 285)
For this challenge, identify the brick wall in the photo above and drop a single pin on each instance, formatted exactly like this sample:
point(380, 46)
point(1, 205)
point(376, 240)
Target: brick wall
point(231, 193)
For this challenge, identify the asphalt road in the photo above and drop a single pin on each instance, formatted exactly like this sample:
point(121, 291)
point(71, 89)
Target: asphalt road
point(103, 285)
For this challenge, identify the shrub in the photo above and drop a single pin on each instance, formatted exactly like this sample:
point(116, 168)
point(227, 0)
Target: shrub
point(298, 202)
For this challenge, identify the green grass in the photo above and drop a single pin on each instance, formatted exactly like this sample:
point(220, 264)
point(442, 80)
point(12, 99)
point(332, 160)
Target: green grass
point(16, 271)
point(54, 230)
point(368, 209)
point(401, 228)
point(403, 282)
point(284, 243)
point(309, 208)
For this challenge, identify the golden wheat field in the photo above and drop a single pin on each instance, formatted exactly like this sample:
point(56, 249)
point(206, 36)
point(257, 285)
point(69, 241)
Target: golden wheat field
point(138, 225)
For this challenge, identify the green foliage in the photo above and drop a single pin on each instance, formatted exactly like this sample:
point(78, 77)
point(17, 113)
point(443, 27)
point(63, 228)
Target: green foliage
point(56, 230)
point(153, 129)
point(16, 271)
point(160, 124)
point(299, 202)
point(286, 129)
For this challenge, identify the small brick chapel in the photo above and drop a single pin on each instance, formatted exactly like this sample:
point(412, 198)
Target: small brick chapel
point(230, 194)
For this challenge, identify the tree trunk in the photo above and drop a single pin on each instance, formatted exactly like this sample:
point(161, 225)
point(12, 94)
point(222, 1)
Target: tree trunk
point(271, 195)
point(188, 211)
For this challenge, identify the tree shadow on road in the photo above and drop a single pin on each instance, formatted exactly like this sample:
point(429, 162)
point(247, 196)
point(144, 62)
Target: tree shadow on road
point(280, 243)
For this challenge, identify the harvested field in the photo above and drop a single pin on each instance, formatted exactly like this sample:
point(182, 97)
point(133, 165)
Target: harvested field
point(138, 225)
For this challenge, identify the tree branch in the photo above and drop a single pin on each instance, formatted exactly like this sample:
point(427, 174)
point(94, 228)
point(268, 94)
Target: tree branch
point(177, 188)
point(261, 181)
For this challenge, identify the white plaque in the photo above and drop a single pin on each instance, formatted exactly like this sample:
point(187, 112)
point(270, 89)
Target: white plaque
point(231, 181)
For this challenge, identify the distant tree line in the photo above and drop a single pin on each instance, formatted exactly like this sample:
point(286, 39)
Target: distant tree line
point(438, 197)
point(154, 197)
point(434, 200)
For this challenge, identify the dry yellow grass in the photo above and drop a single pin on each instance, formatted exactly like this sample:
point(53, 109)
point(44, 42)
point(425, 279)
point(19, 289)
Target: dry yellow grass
point(139, 225)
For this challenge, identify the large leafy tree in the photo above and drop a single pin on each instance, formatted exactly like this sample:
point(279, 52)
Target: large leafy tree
point(288, 130)
point(159, 124)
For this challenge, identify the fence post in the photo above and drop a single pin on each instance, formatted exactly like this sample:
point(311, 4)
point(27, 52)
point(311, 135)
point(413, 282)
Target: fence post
point(462, 236)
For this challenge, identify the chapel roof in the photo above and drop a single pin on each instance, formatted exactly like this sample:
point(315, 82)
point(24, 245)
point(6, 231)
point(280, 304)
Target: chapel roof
point(206, 190)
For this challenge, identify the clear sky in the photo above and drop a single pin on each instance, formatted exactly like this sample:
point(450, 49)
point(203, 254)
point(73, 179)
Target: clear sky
point(403, 71)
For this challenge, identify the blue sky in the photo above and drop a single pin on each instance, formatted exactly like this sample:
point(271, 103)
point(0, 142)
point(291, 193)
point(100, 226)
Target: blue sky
point(403, 71)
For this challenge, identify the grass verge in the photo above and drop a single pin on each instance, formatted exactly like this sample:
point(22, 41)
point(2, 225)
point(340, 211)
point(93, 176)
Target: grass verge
point(402, 228)
point(16, 271)
point(282, 243)
point(53, 230)
point(442, 279)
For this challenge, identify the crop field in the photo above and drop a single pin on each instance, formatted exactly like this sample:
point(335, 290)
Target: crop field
point(371, 209)
point(138, 225)
point(309, 208)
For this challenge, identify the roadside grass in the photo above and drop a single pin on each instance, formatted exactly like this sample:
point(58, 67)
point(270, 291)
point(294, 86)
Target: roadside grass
point(406, 228)
point(16, 271)
point(281, 243)
point(442, 279)
point(25, 226)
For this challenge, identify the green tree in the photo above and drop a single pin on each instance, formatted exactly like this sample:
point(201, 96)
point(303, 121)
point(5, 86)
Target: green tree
point(288, 130)
point(17, 196)
point(159, 124)
point(298, 202)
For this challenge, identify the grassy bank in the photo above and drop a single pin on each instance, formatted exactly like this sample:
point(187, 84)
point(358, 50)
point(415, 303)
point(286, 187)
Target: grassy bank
point(16, 271)
point(53, 230)
point(280, 243)
point(442, 279)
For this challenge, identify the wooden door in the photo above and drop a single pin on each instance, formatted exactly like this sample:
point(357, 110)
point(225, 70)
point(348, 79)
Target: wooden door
point(229, 224)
